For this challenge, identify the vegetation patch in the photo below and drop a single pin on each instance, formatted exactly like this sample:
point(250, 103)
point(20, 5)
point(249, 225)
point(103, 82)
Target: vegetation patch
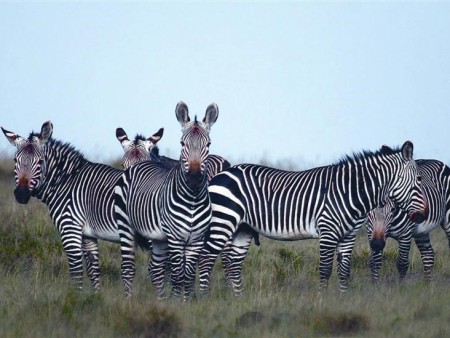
point(288, 263)
point(75, 303)
point(269, 322)
point(157, 321)
point(340, 324)
point(24, 249)
point(249, 318)
point(360, 260)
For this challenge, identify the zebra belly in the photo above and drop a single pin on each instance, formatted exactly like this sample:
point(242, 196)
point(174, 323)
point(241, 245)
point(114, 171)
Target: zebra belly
point(148, 226)
point(110, 235)
point(288, 233)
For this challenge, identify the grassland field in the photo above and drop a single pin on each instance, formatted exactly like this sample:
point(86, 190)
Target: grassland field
point(281, 297)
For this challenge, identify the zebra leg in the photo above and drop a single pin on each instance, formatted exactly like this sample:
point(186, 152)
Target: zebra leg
point(427, 254)
point(233, 256)
point(127, 249)
point(177, 265)
point(344, 256)
point(376, 260)
point(90, 251)
point(192, 252)
point(215, 240)
point(71, 241)
point(404, 246)
point(327, 247)
point(127, 236)
point(157, 267)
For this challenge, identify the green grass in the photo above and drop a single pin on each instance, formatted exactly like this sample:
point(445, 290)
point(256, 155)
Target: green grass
point(281, 298)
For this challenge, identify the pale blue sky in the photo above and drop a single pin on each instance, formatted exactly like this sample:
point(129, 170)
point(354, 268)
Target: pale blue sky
point(301, 81)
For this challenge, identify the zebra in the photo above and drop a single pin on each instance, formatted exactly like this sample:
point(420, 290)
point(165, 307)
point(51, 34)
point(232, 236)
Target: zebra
point(170, 206)
point(329, 203)
point(390, 221)
point(141, 148)
point(78, 193)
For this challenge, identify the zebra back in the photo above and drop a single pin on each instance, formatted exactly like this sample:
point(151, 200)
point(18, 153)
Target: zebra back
point(346, 191)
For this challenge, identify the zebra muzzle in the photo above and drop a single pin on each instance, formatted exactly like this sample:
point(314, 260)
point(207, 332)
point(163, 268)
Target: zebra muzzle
point(22, 194)
point(377, 244)
point(195, 180)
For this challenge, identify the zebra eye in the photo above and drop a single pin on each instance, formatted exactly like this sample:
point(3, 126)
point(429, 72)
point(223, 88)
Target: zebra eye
point(182, 144)
point(393, 209)
point(15, 159)
point(209, 143)
point(419, 178)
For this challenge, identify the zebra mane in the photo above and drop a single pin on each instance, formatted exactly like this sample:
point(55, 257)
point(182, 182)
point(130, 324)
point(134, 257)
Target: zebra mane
point(355, 157)
point(33, 135)
point(65, 149)
point(139, 137)
point(154, 152)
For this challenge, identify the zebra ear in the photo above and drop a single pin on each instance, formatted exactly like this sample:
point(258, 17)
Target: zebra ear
point(12, 137)
point(212, 112)
point(46, 132)
point(407, 151)
point(182, 113)
point(157, 136)
point(121, 135)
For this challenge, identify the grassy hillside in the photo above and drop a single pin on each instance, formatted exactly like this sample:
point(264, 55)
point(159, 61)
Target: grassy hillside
point(281, 299)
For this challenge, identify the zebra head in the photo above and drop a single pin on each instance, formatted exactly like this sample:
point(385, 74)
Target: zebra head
point(406, 187)
point(30, 161)
point(139, 149)
point(378, 222)
point(195, 143)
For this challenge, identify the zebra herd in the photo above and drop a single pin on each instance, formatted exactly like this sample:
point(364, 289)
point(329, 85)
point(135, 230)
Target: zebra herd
point(190, 210)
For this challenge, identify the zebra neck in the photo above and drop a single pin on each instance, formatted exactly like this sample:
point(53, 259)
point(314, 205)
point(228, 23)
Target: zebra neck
point(63, 162)
point(364, 181)
point(184, 188)
point(383, 175)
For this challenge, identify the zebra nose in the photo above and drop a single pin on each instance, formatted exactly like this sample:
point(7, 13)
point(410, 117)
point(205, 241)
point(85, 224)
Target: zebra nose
point(377, 244)
point(23, 181)
point(195, 176)
point(194, 168)
point(22, 194)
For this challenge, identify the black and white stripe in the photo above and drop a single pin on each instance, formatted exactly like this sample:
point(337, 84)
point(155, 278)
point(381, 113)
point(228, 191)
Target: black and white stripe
point(389, 221)
point(170, 206)
point(329, 203)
